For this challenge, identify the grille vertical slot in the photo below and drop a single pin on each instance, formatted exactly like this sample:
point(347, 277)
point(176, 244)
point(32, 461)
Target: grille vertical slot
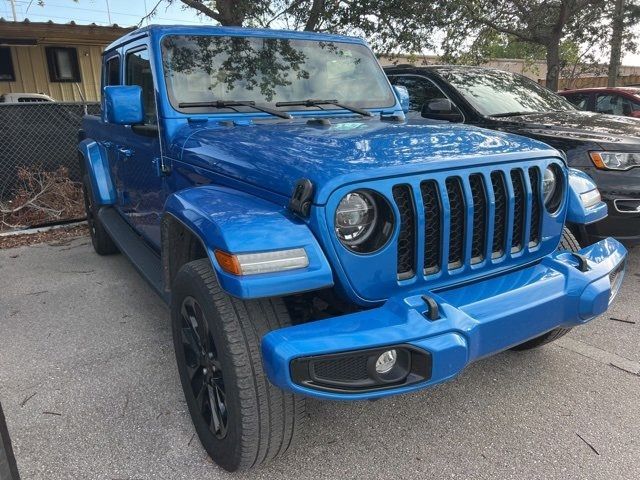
point(536, 202)
point(432, 226)
point(457, 222)
point(479, 196)
point(500, 218)
point(519, 207)
point(403, 197)
point(487, 217)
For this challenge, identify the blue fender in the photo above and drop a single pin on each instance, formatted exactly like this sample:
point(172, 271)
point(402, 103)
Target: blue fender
point(97, 166)
point(237, 222)
point(577, 213)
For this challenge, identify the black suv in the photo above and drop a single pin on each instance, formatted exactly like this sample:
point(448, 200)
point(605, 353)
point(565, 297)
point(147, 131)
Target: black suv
point(604, 146)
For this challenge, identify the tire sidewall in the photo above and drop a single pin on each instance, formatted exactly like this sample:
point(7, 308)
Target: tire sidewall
point(225, 452)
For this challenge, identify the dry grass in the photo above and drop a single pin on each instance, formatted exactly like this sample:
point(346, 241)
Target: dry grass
point(42, 197)
point(58, 237)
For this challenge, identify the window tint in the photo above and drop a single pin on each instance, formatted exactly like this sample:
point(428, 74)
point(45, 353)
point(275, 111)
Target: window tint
point(112, 71)
point(139, 73)
point(613, 104)
point(421, 91)
point(63, 64)
point(6, 65)
point(579, 100)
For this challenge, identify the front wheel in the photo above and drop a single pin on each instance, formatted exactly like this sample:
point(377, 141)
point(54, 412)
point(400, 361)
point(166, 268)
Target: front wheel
point(241, 419)
point(567, 243)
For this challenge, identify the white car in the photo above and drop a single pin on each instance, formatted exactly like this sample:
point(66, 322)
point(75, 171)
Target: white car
point(25, 98)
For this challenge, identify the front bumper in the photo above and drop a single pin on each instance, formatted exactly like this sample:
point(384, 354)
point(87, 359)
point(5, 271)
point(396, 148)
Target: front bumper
point(621, 222)
point(476, 320)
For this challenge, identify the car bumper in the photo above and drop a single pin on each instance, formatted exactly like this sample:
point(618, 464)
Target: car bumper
point(622, 222)
point(476, 320)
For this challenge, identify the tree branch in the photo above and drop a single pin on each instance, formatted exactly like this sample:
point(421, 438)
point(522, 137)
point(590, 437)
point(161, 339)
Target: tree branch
point(202, 8)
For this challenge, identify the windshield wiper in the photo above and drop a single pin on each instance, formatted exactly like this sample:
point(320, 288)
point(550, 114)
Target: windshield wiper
point(232, 103)
point(511, 114)
point(310, 102)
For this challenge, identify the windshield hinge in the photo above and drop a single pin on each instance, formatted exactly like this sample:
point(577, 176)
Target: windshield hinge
point(300, 202)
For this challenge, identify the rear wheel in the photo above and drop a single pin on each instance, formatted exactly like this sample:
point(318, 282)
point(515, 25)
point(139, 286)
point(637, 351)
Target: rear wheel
point(102, 242)
point(568, 242)
point(241, 419)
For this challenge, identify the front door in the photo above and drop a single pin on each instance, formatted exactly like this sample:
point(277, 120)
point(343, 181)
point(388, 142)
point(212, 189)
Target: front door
point(143, 187)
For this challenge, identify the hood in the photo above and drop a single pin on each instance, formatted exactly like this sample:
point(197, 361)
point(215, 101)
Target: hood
point(274, 155)
point(608, 131)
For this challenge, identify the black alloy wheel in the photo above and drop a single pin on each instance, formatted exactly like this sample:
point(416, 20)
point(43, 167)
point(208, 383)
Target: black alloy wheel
point(204, 367)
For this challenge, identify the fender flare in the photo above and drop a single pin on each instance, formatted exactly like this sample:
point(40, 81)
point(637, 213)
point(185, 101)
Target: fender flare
point(236, 222)
point(96, 164)
point(577, 213)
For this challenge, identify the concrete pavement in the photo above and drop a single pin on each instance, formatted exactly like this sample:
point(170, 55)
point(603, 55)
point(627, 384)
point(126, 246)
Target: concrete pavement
point(90, 390)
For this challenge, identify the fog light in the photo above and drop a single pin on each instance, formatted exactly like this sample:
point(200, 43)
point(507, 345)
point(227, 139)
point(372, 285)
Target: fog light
point(386, 361)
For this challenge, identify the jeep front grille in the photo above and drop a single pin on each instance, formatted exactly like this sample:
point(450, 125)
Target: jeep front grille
point(466, 216)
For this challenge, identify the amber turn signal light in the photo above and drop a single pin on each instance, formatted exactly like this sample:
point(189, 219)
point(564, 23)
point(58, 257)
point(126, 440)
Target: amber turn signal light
point(597, 160)
point(229, 263)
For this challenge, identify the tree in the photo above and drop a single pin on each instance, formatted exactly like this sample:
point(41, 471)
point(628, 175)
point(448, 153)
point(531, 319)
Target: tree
point(617, 27)
point(538, 22)
point(389, 25)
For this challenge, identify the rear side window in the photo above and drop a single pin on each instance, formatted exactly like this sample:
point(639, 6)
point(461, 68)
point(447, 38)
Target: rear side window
point(139, 73)
point(112, 71)
point(613, 104)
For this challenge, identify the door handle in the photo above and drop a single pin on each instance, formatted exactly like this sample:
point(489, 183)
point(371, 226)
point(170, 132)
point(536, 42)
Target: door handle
point(127, 152)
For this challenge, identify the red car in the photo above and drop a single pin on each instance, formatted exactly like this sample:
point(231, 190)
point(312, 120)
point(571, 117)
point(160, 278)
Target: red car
point(615, 101)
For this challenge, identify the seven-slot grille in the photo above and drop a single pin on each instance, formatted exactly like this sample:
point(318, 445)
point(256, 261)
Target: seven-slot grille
point(470, 209)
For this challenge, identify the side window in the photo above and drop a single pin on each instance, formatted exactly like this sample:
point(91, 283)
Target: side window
point(112, 71)
point(139, 73)
point(579, 100)
point(613, 104)
point(421, 91)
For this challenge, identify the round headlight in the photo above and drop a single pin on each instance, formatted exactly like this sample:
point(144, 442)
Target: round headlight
point(552, 188)
point(355, 218)
point(363, 221)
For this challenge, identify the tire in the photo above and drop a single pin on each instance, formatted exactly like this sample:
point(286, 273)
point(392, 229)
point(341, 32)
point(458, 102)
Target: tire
point(568, 242)
point(102, 242)
point(254, 421)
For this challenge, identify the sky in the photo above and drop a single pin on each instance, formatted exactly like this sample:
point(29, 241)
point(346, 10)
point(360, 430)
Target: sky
point(124, 13)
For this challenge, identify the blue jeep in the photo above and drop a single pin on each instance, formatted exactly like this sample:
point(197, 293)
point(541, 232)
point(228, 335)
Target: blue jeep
point(310, 242)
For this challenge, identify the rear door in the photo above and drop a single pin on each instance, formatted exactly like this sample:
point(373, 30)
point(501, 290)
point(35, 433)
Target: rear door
point(144, 188)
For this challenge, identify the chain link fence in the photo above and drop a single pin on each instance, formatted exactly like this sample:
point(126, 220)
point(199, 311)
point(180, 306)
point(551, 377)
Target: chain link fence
point(38, 152)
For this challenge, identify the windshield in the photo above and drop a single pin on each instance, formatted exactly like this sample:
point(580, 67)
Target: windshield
point(499, 93)
point(266, 71)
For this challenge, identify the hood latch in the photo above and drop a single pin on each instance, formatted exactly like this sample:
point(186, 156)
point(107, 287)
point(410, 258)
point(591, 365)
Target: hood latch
point(300, 202)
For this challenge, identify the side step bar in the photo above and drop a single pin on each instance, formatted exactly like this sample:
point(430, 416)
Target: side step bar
point(141, 255)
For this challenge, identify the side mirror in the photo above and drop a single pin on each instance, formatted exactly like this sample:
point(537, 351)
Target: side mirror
point(403, 97)
point(123, 104)
point(441, 109)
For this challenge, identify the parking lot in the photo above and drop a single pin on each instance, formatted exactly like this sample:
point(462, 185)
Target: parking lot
point(90, 390)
